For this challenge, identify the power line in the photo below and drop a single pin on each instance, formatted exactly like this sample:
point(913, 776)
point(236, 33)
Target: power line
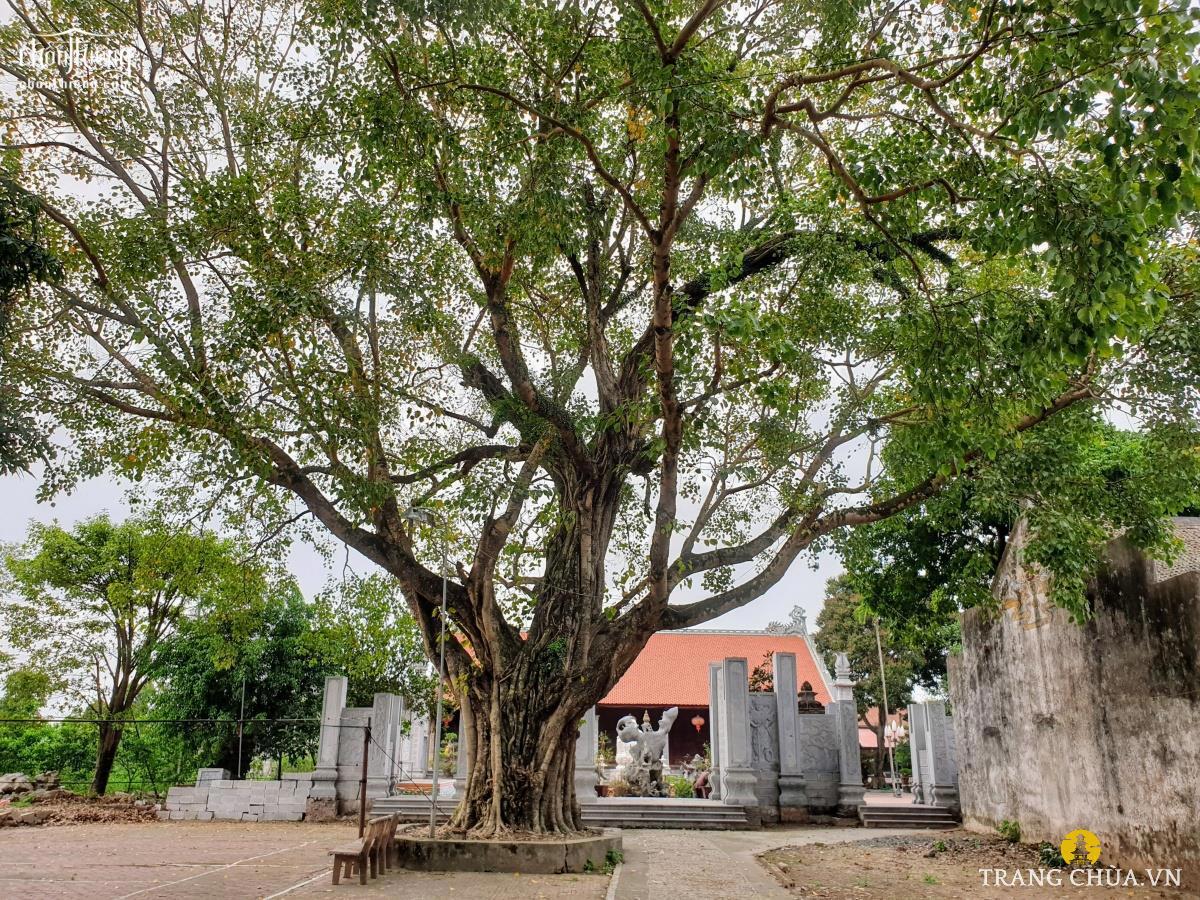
point(86, 721)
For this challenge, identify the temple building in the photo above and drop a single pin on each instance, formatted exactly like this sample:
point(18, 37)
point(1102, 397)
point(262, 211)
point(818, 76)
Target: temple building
point(673, 670)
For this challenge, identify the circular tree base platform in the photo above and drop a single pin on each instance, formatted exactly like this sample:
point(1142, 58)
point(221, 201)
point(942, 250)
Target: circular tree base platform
point(552, 856)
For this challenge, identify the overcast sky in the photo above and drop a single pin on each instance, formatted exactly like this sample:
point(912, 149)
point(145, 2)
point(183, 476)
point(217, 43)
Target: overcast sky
point(802, 585)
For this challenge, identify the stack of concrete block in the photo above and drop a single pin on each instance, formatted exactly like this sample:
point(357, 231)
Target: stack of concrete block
point(186, 803)
point(246, 801)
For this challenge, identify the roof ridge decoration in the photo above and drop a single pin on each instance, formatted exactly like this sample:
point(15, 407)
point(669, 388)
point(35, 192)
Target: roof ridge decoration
point(762, 632)
point(797, 623)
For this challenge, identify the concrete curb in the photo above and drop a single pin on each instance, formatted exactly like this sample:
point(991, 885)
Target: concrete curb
point(612, 883)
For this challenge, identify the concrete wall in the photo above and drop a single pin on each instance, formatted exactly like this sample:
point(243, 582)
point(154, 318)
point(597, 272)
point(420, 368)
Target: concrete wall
point(246, 801)
point(1061, 726)
point(796, 769)
point(819, 760)
point(1187, 529)
point(333, 787)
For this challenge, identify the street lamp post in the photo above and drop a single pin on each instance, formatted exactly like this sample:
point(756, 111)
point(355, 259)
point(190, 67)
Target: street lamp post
point(893, 734)
point(420, 514)
point(883, 704)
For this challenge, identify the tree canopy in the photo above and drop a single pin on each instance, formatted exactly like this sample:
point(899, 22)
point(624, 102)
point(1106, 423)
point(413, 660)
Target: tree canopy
point(846, 625)
point(24, 261)
point(643, 299)
point(256, 661)
point(917, 570)
point(366, 632)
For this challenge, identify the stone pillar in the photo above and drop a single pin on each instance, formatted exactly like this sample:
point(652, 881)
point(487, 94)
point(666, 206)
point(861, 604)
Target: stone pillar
point(920, 755)
point(943, 765)
point(714, 727)
point(585, 759)
point(385, 724)
point(793, 799)
point(737, 772)
point(424, 748)
point(322, 802)
point(850, 789)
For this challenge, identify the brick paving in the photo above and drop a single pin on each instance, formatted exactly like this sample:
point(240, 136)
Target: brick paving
point(715, 865)
point(169, 860)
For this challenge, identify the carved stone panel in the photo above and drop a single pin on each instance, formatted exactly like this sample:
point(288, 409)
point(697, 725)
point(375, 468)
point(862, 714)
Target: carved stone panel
point(764, 753)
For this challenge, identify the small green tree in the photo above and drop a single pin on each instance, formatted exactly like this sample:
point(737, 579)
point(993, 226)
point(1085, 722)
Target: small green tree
point(25, 693)
point(365, 630)
point(30, 747)
point(93, 605)
point(261, 656)
point(845, 626)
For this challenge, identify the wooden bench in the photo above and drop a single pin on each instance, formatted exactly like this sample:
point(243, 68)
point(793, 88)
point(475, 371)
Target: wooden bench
point(385, 848)
point(370, 854)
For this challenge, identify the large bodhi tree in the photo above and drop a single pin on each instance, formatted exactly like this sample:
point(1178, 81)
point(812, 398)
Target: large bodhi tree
point(645, 300)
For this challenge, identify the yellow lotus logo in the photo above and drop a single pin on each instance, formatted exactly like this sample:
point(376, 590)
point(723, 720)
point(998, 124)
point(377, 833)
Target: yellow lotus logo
point(1080, 847)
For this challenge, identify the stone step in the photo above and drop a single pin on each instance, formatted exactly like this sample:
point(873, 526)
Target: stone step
point(906, 817)
point(634, 813)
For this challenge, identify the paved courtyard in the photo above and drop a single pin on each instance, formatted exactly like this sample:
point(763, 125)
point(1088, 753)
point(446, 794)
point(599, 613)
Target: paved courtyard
point(161, 860)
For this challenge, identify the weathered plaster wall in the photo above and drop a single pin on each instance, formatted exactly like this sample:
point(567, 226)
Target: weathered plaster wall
point(1188, 532)
point(1061, 726)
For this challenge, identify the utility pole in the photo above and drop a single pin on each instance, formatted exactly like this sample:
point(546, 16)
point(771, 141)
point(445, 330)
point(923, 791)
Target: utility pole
point(241, 726)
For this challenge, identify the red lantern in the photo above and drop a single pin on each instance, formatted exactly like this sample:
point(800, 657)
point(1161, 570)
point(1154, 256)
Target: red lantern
point(697, 722)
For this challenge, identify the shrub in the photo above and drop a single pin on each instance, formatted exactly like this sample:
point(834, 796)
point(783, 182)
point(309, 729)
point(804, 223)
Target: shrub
point(604, 750)
point(680, 786)
point(1010, 830)
point(1051, 856)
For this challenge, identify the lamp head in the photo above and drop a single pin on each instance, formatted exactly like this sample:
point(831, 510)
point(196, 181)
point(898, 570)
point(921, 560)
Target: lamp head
point(418, 514)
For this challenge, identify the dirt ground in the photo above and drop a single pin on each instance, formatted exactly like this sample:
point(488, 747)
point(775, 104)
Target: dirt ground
point(918, 866)
point(65, 808)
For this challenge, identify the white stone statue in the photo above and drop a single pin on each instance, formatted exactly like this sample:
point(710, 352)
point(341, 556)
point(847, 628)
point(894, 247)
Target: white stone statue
point(644, 770)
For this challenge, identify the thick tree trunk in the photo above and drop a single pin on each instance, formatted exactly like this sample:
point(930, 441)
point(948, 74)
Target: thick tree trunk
point(520, 738)
point(525, 695)
point(106, 756)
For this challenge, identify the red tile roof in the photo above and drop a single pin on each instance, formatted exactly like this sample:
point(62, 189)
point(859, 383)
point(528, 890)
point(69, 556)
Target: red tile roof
point(872, 716)
point(672, 670)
